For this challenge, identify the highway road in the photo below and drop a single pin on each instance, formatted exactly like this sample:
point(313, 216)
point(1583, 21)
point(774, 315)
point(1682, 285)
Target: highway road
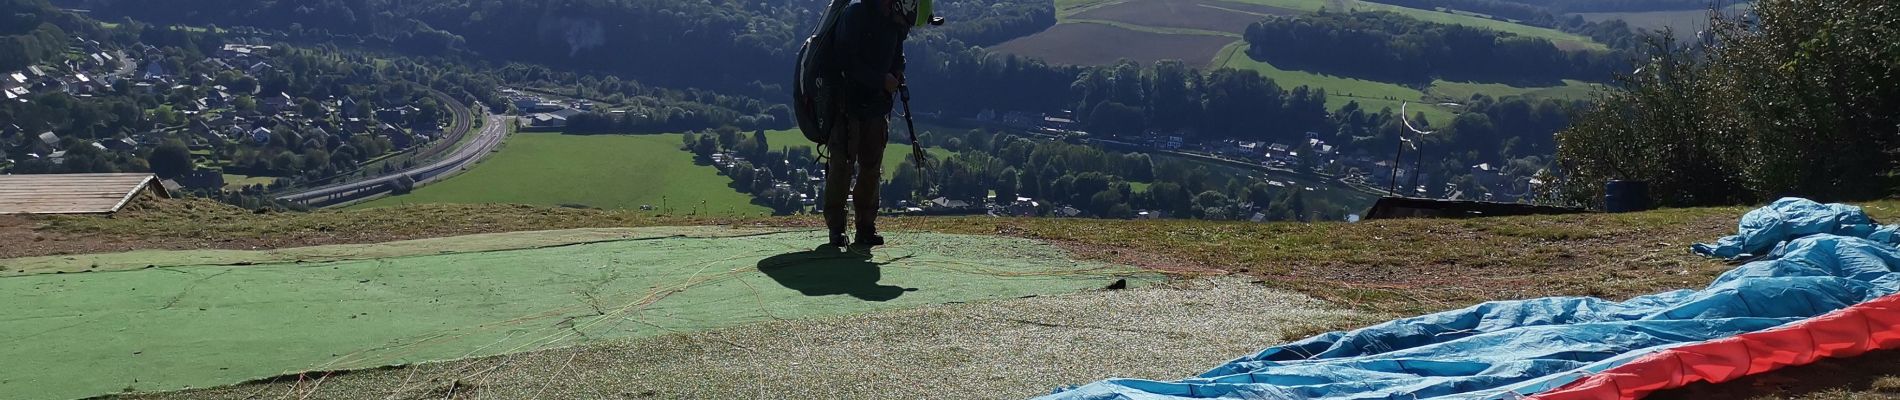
point(493, 131)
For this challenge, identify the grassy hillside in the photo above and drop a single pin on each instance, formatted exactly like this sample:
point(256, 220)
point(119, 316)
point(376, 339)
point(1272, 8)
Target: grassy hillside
point(604, 171)
point(1460, 91)
point(1375, 95)
point(1066, 9)
point(1371, 95)
point(1562, 39)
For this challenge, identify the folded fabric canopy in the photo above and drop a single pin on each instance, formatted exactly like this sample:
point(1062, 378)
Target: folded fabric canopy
point(1791, 218)
point(1822, 261)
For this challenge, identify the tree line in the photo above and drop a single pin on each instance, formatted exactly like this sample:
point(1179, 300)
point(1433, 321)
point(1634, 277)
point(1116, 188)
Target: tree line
point(1797, 100)
point(1171, 98)
point(1129, 99)
point(646, 108)
point(1578, 6)
point(1615, 33)
point(987, 167)
point(1392, 47)
point(1097, 182)
point(761, 168)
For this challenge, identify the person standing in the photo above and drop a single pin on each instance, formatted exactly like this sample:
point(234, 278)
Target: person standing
point(870, 58)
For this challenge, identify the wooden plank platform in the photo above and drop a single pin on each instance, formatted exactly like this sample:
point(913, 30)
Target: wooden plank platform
point(1407, 207)
point(73, 193)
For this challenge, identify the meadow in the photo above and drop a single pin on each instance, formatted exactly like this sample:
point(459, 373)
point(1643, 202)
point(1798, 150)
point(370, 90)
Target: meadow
point(603, 171)
point(1067, 9)
point(894, 153)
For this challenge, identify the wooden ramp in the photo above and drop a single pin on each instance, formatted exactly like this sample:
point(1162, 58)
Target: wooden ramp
point(1408, 207)
point(74, 193)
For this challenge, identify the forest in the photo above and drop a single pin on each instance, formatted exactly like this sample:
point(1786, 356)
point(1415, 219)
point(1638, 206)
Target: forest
point(1797, 100)
point(1392, 47)
point(31, 32)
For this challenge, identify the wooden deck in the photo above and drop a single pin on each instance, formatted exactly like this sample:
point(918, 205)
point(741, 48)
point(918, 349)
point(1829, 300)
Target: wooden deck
point(73, 193)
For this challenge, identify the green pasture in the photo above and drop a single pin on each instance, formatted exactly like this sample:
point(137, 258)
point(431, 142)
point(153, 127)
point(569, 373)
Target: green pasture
point(602, 171)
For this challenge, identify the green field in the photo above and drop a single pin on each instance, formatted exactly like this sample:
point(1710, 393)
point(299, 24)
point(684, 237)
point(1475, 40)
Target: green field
point(1371, 95)
point(1067, 8)
point(894, 153)
point(1563, 40)
point(234, 182)
point(603, 171)
point(1235, 56)
point(1461, 91)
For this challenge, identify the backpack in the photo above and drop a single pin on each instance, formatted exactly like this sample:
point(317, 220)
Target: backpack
point(814, 86)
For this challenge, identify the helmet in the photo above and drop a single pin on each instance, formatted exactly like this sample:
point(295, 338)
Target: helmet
point(913, 10)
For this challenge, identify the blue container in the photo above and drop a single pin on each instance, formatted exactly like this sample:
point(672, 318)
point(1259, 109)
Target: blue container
point(1626, 196)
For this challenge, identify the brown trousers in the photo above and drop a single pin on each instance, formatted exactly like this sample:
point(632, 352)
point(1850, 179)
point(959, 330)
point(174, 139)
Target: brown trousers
point(857, 146)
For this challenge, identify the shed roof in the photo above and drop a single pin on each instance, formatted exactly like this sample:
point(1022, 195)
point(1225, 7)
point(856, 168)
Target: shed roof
point(73, 193)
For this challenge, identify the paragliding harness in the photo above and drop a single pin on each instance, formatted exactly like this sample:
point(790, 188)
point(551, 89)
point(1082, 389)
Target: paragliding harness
point(815, 86)
point(814, 89)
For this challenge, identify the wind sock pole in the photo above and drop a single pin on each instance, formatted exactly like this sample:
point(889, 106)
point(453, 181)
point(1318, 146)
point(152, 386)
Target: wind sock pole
point(1393, 187)
point(1416, 158)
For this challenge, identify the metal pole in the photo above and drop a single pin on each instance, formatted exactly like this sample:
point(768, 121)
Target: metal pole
point(1399, 157)
point(1417, 158)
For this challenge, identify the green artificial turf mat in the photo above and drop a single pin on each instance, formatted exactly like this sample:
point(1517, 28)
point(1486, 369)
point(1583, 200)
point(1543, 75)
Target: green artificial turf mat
point(165, 328)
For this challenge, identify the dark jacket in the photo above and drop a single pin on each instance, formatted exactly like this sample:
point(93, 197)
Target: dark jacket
point(869, 45)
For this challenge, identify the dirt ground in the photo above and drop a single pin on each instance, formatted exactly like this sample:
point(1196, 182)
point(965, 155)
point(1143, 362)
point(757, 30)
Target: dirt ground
point(24, 240)
point(203, 224)
point(1009, 349)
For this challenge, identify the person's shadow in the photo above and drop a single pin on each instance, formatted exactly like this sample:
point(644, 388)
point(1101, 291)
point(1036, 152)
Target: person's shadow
point(828, 270)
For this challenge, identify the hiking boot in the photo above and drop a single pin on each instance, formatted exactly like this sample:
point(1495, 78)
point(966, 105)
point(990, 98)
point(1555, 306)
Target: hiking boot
point(869, 240)
point(834, 221)
point(867, 229)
